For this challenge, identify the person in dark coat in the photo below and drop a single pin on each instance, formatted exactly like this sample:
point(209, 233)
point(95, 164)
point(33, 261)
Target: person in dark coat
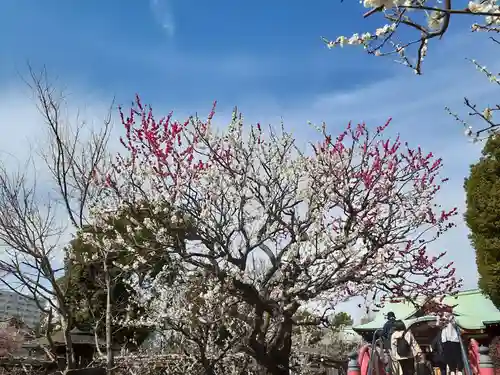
point(423, 366)
point(387, 329)
point(452, 350)
point(437, 357)
point(386, 339)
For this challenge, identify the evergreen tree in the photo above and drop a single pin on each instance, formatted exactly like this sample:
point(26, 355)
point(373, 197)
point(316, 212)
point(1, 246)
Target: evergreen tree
point(85, 287)
point(483, 217)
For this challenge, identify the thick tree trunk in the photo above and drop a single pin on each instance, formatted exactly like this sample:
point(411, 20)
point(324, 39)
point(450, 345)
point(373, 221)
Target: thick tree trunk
point(279, 362)
point(278, 370)
point(276, 360)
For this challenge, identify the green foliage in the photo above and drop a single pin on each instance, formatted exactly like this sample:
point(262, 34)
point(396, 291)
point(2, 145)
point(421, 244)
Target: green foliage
point(86, 295)
point(341, 319)
point(483, 217)
point(316, 332)
point(85, 281)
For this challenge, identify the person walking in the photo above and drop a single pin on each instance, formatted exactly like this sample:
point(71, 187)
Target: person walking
point(438, 359)
point(388, 326)
point(386, 339)
point(452, 352)
point(404, 350)
point(424, 366)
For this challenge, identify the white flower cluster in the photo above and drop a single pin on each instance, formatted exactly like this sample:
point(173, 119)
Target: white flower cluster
point(362, 39)
point(279, 224)
point(486, 6)
point(406, 15)
point(435, 20)
point(386, 3)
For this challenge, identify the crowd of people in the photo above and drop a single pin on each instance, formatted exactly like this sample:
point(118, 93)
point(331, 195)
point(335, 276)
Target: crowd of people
point(402, 354)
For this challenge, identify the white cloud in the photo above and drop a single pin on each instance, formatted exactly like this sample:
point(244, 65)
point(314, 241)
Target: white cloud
point(163, 14)
point(18, 125)
point(415, 103)
point(25, 136)
point(25, 132)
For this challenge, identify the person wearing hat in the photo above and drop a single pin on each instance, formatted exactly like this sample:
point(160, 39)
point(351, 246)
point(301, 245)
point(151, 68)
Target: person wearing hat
point(386, 337)
point(387, 329)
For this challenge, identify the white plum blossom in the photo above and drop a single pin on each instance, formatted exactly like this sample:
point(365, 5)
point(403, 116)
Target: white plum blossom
point(196, 321)
point(377, 3)
point(267, 227)
point(412, 26)
point(399, 14)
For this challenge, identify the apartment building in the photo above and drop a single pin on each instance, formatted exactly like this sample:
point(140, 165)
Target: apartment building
point(12, 304)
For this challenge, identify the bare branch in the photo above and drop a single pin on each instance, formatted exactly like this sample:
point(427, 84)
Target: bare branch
point(76, 151)
point(33, 227)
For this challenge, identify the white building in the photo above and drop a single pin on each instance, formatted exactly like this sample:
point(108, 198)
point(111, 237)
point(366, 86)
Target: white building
point(14, 305)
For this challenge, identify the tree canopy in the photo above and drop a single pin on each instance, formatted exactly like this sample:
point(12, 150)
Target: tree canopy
point(483, 219)
point(86, 292)
point(275, 230)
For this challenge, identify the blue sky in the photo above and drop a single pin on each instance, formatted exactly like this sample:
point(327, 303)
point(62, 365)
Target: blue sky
point(266, 57)
point(226, 49)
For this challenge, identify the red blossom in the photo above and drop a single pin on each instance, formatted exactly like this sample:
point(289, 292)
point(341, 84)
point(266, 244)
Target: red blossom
point(163, 145)
point(368, 176)
point(381, 166)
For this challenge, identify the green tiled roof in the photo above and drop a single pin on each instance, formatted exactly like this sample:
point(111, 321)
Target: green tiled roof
point(473, 308)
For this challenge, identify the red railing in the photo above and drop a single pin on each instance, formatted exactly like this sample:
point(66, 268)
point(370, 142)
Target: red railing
point(364, 357)
point(474, 356)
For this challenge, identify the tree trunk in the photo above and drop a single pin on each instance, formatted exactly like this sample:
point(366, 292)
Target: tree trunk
point(276, 369)
point(276, 360)
point(282, 349)
point(109, 337)
point(279, 362)
point(70, 360)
